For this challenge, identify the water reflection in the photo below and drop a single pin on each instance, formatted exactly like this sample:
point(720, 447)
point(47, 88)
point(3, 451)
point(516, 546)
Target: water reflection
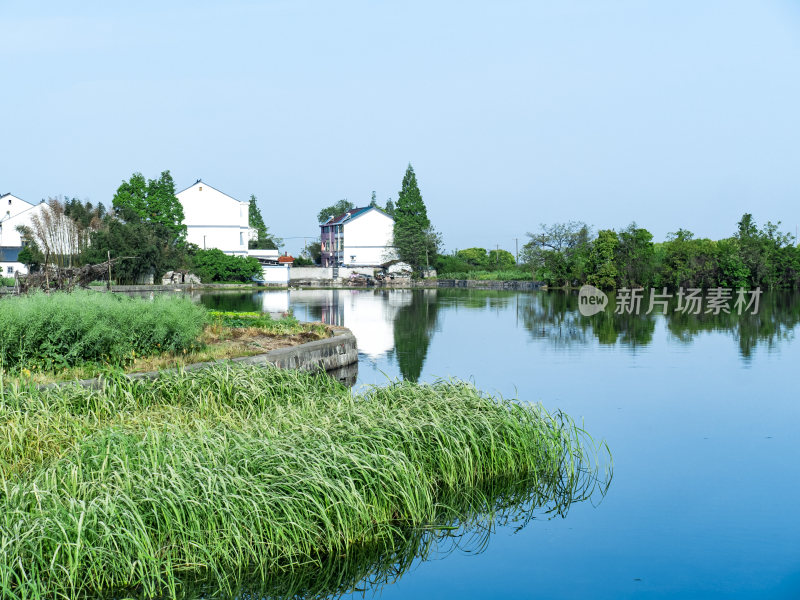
point(401, 324)
point(555, 316)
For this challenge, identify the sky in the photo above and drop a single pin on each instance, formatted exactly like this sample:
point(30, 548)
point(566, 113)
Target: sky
point(673, 114)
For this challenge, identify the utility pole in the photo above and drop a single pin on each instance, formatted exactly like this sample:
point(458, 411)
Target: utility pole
point(516, 251)
point(497, 256)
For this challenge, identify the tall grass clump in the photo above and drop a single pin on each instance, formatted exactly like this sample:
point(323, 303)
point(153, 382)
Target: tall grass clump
point(59, 330)
point(238, 472)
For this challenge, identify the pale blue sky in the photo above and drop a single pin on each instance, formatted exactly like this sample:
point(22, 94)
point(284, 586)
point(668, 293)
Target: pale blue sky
point(670, 113)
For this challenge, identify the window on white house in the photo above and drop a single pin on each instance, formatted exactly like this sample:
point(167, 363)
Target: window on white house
point(241, 238)
point(10, 270)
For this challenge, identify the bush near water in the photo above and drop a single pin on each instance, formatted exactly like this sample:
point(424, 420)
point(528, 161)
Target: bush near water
point(59, 330)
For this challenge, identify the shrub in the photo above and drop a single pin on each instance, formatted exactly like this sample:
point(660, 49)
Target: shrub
point(215, 265)
point(62, 330)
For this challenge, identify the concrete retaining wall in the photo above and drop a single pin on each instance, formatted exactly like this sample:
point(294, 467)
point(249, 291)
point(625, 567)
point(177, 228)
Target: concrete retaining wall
point(337, 356)
point(490, 285)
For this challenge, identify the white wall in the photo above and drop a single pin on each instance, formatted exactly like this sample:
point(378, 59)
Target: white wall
point(9, 236)
point(214, 219)
point(16, 267)
point(11, 205)
point(368, 240)
point(276, 273)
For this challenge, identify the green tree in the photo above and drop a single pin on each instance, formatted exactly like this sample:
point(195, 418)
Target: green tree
point(416, 241)
point(145, 247)
point(342, 206)
point(373, 201)
point(635, 257)
point(475, 257)
point(389, 210)
point(559, 253)
point(603, 260)
point(500, 260)
point(265, 239)
point(152, 201)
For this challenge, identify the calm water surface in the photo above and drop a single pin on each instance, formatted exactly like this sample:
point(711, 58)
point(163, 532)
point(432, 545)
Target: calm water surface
point(701, 416)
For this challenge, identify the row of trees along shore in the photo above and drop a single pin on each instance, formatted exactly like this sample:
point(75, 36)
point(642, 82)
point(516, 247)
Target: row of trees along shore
point(569, 254)
point(144, 228)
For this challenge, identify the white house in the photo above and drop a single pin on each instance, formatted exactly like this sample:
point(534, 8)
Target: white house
point(361, 237)
point(14, 212)
point(214, 219)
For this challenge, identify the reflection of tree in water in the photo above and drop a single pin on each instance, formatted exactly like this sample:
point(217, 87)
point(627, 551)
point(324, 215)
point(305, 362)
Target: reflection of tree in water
point(414, 326)
point(232, 301)
point(474, 298)
point(555, 316)
point(464, 521)
point(778, 316)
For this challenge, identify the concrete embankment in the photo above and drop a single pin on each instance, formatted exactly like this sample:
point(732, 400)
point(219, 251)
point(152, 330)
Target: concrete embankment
point(336, 355)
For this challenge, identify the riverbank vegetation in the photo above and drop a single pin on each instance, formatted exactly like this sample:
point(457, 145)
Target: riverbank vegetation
point(60, 337)
point(234, 471)
point(569, 254)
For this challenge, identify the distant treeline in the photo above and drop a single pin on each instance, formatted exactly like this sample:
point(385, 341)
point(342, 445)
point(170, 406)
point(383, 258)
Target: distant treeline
point(568, 254)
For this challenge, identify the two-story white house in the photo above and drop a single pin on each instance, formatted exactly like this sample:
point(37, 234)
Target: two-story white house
point(214, 219)
point(14, 211)
point(361, 237)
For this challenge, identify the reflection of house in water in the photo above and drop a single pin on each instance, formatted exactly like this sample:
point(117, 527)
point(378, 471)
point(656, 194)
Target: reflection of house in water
point(370, 315)
point(274, 301)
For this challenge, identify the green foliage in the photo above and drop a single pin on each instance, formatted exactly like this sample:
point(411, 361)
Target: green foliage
point(516, 274)
point(635, 257)
point(500, 259)
point(311, 255)
point(215, 265)
point(563, 254)
point(30, 255)
point(265, 239)
point(288, 325)
point(145, 248)
point(50, 332)
point(416, 241)
point(559, 254)
point(237, 469)
point(7, 281)
point(342, 206)
point(151, 201)
point(475, 257)
point(389, 209)
point(602, 265)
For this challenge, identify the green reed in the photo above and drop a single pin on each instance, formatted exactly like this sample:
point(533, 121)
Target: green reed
point(237, 471)
point(60, 330)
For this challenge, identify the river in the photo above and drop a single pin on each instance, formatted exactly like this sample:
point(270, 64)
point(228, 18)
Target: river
point(700, 414)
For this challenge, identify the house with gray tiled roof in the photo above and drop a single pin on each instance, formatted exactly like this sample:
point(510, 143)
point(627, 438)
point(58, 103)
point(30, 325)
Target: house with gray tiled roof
point(361, 237)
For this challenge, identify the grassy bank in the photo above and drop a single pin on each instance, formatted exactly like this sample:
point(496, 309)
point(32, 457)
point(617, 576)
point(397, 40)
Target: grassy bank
point(55, 331)
point(239, 470)
point(47, 338)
